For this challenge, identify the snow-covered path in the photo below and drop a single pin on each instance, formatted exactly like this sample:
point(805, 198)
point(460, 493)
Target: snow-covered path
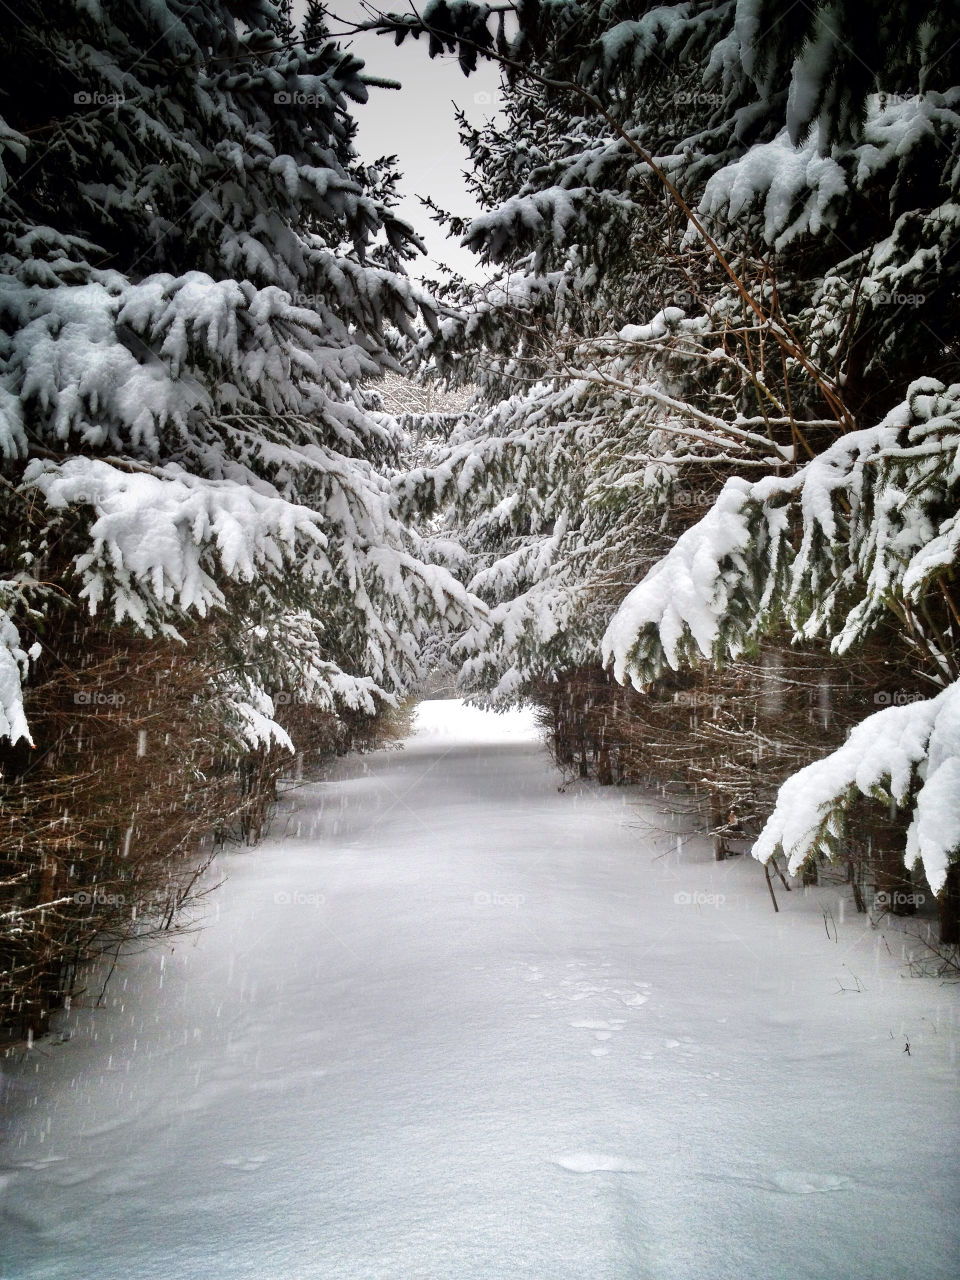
point(453, 1024)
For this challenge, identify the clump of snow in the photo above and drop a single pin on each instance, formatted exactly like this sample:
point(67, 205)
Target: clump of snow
point(895, 750)
point(166, 536)
point(14, 663)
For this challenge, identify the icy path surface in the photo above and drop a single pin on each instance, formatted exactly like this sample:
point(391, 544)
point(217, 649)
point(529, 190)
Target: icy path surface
point(453, 1024)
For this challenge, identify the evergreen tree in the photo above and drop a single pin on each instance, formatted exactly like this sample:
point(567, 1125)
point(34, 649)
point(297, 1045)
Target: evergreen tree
point(728, 242)
point(197, 275)
point(199, 282)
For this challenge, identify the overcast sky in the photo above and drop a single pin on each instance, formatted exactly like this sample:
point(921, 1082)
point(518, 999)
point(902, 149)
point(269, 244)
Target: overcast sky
point(417, 124)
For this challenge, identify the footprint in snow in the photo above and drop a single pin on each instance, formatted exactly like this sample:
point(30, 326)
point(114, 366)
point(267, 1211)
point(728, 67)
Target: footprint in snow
point(591, 1162)
point(792, 1182)
point(803, 1184)
point(602, 1031)
point(246, 1164)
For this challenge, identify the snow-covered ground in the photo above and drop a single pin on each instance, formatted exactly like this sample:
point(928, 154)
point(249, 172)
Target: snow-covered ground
point(451, 1022)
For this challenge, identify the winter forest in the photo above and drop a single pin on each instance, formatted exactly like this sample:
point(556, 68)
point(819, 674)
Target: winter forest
point(668, 483)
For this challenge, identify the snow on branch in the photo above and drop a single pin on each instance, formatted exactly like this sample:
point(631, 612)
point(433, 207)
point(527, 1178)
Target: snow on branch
point(684, 606)
point(159, 535)
point(527, 218)
point(872, 520)
point(908, 754)
point(14, 663)
point(790, 189)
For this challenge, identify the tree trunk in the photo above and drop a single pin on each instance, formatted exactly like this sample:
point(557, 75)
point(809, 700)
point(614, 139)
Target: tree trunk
point(896, 892)
point(948, 906)
point(718, 819)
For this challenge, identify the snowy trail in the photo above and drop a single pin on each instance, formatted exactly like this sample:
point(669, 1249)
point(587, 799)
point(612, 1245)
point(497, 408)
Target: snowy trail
point(452, 1024)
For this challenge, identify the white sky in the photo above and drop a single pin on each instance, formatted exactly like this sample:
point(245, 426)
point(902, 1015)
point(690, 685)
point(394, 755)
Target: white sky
point(417, 124)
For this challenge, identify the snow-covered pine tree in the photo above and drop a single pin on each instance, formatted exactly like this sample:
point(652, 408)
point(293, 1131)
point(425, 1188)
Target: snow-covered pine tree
point(552, 553)
point(565, 478)
point(815, 165)
point(197, 275)
point(203, 545)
